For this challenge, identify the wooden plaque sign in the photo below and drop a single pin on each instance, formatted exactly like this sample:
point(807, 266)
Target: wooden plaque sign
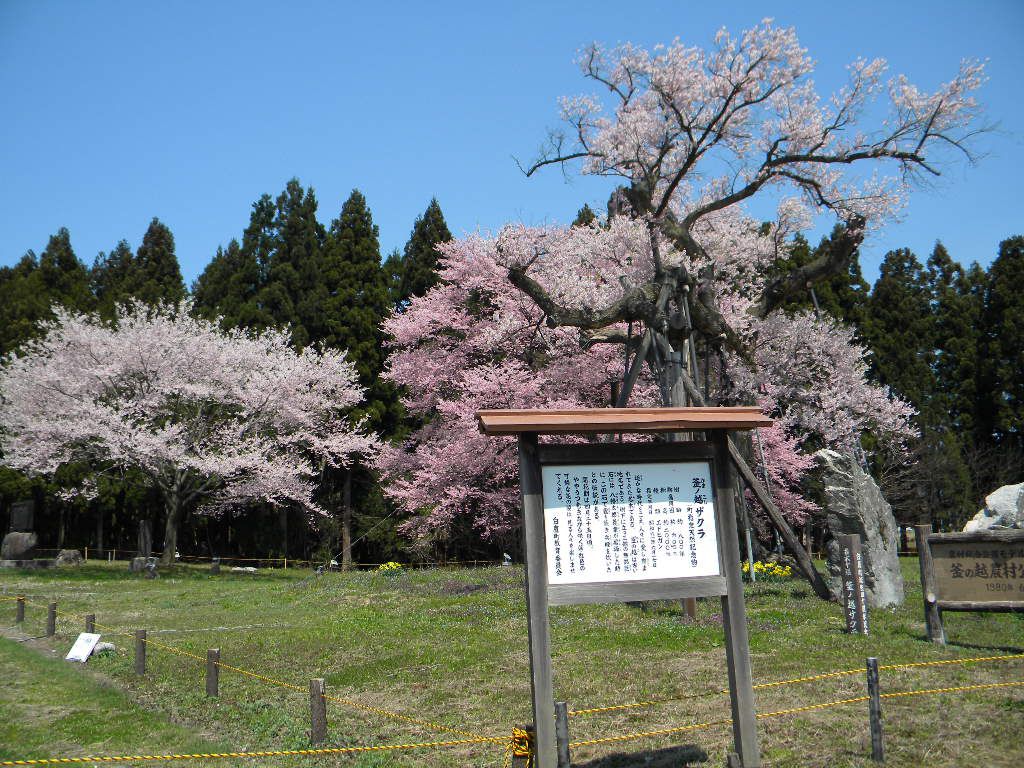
point(978, 571)
point(981, 571)
point(630, 530)
point(612, 522)
point(851, 569)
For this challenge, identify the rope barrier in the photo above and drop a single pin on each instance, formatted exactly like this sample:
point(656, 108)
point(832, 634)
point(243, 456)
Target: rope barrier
point(262, 753)
point(292, 686)
point(791, 711)
point(793, 681)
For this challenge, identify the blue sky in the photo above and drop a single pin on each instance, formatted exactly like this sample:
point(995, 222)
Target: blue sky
point(117, 112)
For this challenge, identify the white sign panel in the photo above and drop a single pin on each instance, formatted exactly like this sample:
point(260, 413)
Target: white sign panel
point(628, 522)
point(83, 647)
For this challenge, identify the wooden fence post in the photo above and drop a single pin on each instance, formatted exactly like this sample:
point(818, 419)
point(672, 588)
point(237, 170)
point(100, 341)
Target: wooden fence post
point(932, 613)
point(212, 671)
point(690, 607)
point(317, 711)
point(19, 611)
point(90, 622)
point(140, 651)
point(51, 620)
point(562, 734)
point(875, 712)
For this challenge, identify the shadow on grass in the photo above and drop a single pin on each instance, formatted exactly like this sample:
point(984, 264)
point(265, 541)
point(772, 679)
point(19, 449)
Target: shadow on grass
point(670, 757)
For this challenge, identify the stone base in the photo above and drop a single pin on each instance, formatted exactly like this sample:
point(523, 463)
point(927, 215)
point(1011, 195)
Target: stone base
point(32, 565)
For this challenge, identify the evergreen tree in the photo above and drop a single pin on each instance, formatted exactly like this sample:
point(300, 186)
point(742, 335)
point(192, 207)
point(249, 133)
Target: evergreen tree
point(957, 309)
point(295, 286)
point(585, 216)
point(355, 302)
point(899, 329)
point(30, 288)
point(109, 278)
point(843, 297)
point(419, 260)
point(1004, 346)
point(155, 275)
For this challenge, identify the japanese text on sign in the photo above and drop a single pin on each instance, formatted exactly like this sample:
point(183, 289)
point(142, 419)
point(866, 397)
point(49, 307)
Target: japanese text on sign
point(611, 522)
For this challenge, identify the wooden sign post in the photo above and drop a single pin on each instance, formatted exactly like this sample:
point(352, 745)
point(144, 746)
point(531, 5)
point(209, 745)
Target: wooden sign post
point(981, 571)
point(621, 522)
point(851, 571)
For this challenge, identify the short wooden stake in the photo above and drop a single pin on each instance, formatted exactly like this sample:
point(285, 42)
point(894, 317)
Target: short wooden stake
point(317, 711)
point(562, 734)
point(51, 620)
point(90, 622)
point(212, 671)
point(690, 606)
point(19, 611)
point(932, 613)
point(140, 651)
point(875, 712)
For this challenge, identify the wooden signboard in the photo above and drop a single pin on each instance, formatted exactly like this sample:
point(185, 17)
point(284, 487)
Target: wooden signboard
point(981, 571)
point(614, 522)
point(851, 571)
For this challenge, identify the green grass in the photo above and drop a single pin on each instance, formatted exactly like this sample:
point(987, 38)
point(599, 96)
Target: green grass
point(450, 647)
point(49, 707)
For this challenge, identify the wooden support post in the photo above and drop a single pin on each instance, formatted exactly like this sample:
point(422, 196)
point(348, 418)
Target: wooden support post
point(690, 607)
point(51, 620)
point(562, 734)
point(90, 622)
point(875, 712)
point(140, 651)
point(541, 678)
point(932, 612)
point(19, 611)
point(213, 672)
point(803, 560)
point(734, 614)
point(317, 711)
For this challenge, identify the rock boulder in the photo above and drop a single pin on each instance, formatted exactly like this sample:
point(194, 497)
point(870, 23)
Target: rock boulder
point(18, 546)
point(1004, 508)
point(69, 557)
point(854, 504)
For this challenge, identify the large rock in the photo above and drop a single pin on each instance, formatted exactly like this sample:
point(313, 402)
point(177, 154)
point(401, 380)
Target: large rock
point(69, 557)
point(1004, 508)
point(18, 546)
point(854, 504)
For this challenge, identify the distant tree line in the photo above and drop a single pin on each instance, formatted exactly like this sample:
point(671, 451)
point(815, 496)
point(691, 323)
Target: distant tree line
point(327, 285)
point(950, 340)
point(947, 338)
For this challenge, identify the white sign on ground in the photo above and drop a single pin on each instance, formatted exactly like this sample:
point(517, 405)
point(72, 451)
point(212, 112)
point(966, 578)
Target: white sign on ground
point(628, 522)
point(83, 647)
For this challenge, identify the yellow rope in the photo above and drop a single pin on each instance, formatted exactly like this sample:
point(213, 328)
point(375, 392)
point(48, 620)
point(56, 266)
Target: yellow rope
point(978, 687)
point(942, 662)
point(264, 753)
point(337, 699)
point(794, 681)
point(793, 711)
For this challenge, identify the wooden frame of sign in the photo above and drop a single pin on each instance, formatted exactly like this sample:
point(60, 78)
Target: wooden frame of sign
point(693, 533)
point(981, 571)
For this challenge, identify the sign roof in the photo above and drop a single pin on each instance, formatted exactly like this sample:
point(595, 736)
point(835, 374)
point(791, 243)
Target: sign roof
point(598, 420)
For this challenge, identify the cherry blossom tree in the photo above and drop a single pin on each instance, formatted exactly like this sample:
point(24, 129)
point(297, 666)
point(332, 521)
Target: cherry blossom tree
point(677, 269)
point(208, 417)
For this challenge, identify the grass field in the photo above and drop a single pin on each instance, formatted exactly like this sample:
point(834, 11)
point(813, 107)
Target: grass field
point(449, 648)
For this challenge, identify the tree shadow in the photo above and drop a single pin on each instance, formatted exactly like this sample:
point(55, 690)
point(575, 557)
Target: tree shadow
point(670, 757)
